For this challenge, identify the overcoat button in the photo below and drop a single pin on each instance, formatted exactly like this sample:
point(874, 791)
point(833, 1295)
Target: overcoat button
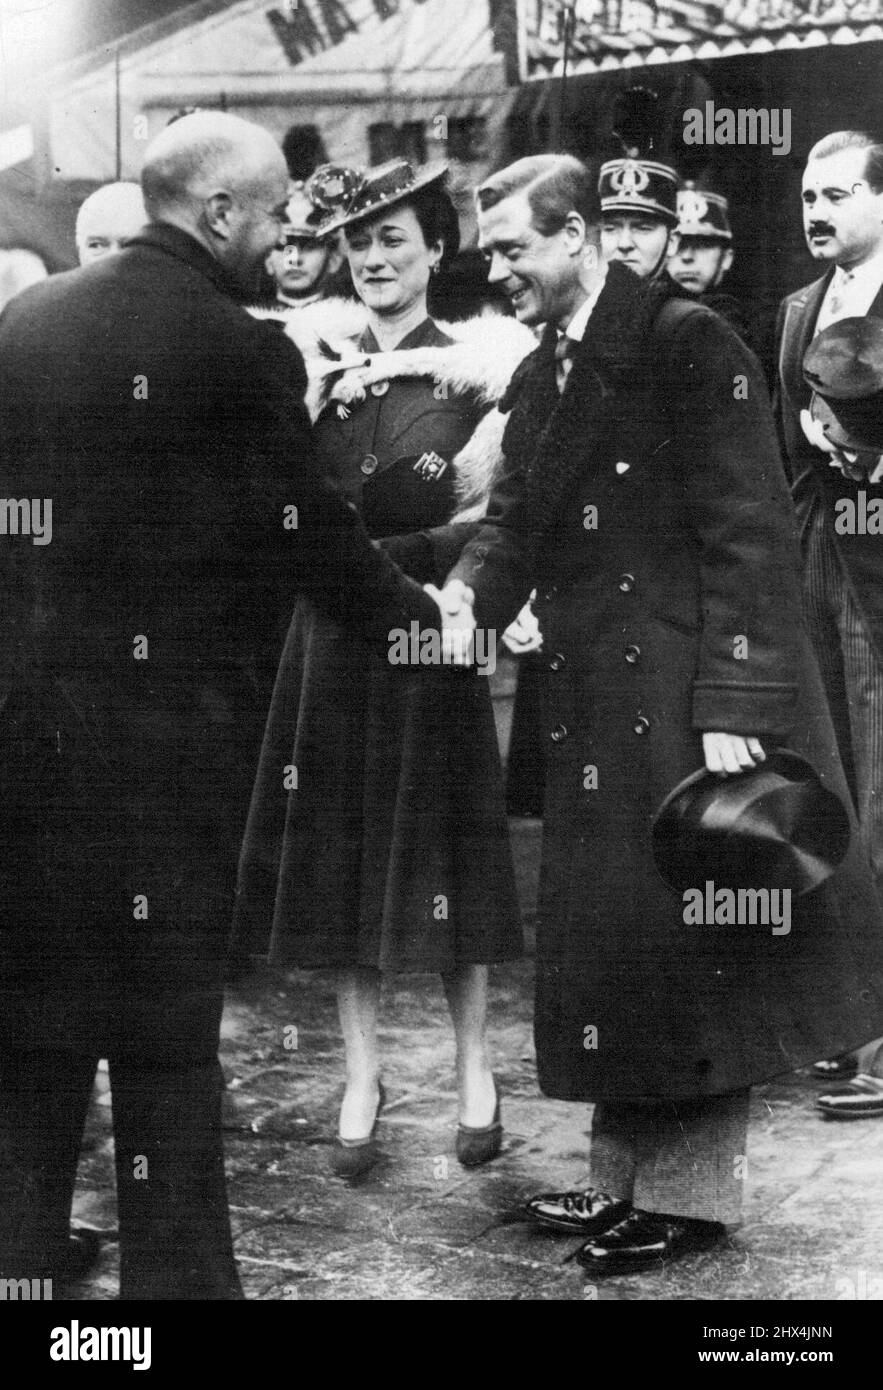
point(632, 654)
point(559, 733)
point(622, 468)
point(557, 662)
point(380, 388)
point(641, 724)
point(626, 583)
point(865, 996)
point(369, 464)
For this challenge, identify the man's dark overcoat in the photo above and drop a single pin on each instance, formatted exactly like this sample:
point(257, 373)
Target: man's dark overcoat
point(673, 609)
point(167, 426)
point(814, 482)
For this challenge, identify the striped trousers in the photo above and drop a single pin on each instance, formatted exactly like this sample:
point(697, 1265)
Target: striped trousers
point(853, 678)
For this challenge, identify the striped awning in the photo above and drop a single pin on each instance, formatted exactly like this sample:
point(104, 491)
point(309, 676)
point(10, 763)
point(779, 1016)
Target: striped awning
point(615, 34)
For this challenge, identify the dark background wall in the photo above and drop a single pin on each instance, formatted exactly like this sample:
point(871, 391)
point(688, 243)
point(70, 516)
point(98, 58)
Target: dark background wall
point(826, 89)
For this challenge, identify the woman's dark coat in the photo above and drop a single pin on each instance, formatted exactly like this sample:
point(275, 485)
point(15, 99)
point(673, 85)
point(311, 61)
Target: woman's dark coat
point(669, 434)
point(392, 852)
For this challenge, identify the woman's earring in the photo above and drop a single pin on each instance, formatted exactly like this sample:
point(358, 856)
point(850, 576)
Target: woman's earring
point(436, 268)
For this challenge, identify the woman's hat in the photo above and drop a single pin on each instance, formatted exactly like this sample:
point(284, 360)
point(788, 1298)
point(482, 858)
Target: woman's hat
point(351, 195)
point(844, 366)
point(772, 826)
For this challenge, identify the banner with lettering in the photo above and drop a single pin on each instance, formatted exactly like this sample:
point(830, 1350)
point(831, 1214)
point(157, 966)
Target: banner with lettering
point(611, 34)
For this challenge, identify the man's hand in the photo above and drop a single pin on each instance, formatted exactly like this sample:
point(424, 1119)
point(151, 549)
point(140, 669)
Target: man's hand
point(524, 634)
point(456, 601)
point(725, 753)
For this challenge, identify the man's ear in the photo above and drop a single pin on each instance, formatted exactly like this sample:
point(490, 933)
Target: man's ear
point(726, 260)
point(335, 258)
point(577, 231)
point(216, 211)
point(674, 241)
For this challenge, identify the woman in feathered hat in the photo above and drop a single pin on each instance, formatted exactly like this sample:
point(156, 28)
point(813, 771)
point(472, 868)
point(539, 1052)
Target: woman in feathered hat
point(377, 839)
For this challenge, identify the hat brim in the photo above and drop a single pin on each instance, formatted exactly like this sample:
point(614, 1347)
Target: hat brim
point(684, 854)
point(429, 174)
point(842, 435)
point(661, 214)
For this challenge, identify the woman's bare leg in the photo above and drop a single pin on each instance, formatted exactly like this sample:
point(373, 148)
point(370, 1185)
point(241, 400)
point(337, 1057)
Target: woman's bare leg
point(466, 990)
point(358, 997)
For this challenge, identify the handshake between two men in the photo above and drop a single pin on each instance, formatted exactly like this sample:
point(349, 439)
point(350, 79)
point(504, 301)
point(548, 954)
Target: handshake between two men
point(724, 753)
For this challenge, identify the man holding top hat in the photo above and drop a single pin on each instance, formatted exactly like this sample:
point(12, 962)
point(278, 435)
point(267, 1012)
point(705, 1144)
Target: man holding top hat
point(645, 499)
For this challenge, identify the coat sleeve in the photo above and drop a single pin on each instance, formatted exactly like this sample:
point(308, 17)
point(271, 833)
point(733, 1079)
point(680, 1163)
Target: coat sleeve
point(322, 544)
point(497, 561)
point(737, 503)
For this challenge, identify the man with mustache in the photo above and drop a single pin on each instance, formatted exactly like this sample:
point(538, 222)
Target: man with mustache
point(843, 581)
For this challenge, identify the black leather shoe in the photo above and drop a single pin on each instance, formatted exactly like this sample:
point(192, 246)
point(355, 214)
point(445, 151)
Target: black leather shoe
point(645, 1239)
point(834, 1068)
point(479, 1144)
point(352, 1158)
point(859, 1099)
point(589, 1212)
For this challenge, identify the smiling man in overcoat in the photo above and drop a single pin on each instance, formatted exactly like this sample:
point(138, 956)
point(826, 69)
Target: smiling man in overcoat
point(645, 498)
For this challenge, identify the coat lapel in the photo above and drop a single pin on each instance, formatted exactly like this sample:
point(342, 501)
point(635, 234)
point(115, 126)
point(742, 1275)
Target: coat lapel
point(797, 334)
point(561, 437)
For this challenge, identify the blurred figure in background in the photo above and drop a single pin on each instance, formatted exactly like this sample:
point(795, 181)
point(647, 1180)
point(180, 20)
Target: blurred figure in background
point(107, 218)
point(19, 268)
point(703, 254)
point(307, 267)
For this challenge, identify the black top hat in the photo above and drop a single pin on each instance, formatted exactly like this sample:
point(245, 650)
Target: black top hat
point(639, 185)
point(844, 366)
point(703, 214)
point(772, 826)
point(351, 195)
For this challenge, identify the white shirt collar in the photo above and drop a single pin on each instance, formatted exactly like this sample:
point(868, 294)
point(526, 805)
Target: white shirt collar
point(578, 324)
point(867, 275)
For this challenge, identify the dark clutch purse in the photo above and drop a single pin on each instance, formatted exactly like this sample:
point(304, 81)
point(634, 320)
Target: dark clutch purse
point(413, 493)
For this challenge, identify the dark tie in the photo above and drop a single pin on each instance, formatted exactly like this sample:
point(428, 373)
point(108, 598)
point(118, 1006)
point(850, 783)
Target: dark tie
point(564, 351)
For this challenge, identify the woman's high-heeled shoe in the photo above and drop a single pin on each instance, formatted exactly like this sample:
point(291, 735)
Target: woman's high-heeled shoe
point(479, 1144)
point(353, 1157)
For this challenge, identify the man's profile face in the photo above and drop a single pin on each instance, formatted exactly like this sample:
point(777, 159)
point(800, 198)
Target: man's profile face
point(256, 221)
point(539, 273)
point(699, 263)
point(637, 239)
point(842, 216)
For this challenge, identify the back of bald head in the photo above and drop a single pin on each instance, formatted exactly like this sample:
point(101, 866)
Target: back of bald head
point(200, 155)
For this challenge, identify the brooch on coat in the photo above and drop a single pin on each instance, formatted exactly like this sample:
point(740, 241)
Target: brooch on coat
point(430, 466)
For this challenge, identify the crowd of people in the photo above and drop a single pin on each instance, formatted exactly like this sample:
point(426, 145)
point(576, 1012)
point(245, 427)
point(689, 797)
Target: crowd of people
point(207, 751)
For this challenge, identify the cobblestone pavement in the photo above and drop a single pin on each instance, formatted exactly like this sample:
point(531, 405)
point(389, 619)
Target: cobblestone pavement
point(421, 1227)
